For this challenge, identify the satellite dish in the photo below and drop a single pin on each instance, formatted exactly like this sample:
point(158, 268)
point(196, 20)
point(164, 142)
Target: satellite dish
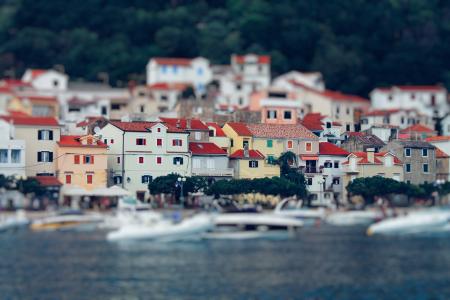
point(97, 129)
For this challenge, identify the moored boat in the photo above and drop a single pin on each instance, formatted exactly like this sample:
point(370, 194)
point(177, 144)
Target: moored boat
point(307, 215)
point(15, 221)
point(419, 222)
point(354, 217)
point(70, 220)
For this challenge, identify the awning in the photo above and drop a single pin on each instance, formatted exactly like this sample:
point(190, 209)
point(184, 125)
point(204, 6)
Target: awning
point(75, 191)
point(307, 157)
point(113, 191)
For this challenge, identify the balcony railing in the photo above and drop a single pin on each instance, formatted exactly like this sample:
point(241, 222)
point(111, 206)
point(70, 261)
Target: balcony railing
point(310, 170)
point(213, 172)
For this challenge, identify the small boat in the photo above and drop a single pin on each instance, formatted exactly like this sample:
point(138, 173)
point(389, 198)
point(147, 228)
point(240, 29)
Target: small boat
point(253, 225)
point(12, 222)
point(419, 222)
point(354, 217)
point(294, 209)
point(68, 220)
point(159, 228)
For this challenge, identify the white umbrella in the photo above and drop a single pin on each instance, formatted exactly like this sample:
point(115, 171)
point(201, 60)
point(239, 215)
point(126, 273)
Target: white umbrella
point(75, 191)
point(113, 191)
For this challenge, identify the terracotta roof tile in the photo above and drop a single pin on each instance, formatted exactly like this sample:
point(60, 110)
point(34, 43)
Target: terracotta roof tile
point(195, 124)
point(206, 149)
point(143, 126)
point(172, 61)
point(240, 128)
point(326, 148)
point(219, 130)
point(439, 138)
point(254, 154)
point(440, 153)
point(48, 180)
point(75, 141)
point(417, 128)
point(32, 121)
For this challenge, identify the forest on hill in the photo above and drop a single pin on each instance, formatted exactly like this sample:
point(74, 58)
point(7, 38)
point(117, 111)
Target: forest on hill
point(356, 44)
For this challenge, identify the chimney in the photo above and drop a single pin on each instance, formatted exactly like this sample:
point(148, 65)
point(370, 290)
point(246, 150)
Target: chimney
point(371, 155)
point(188, 123)
point(246, 152)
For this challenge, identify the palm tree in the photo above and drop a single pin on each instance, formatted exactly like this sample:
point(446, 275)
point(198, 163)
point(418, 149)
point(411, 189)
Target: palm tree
point(286, 161)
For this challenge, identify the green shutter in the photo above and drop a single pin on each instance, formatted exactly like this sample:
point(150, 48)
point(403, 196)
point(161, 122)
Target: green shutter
point(269, 143)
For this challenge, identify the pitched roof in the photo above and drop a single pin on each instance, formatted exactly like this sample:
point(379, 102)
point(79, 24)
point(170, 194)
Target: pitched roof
point(363, 160)
point(172, 61)
point(413, 88)
point(417, 128)
point(219, 130)
point(281, 131)
point(240, 128)
point(262, 59)
point(332, 95)
point(415, 144)
point(75, 141)
point(327, 148)
point(30, 120)
point(254, 154)
point(205, 148)
point(143, 126)
point(187, 124)
point(37, 72)
point(169, 86)
point(440, 153)
point(313, 121)
point(439, 138)
point(48, 180)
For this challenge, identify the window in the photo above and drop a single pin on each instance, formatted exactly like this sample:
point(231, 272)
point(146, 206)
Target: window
point(88, 159)
point(163, 69)
point(408, 168)
point(3, 156)
point(104, 110)
point(164, 98)
point(177, 142)
point(146, 179)
point(271, 114)
point(328, 124)
point(141, 142)
point(55, 83)
point(413, 96)
point(253, 164)
point(347, 111)
point(118, 159)
point(308, 147)
point(271, 160)
point(45, 156)
point(89, 178)
point(15, 156)
point(347, 127)
point(338, 110)
point(390, 98)
point(105, 141)
point(269, 143)
point(407, 152)
point(115, 106)
point(241, 101)
point(336, 164)
point(425, 152)
point(328, 164)
point(336, 180)
point(141, 159)
point(142, 108)
point(433, 100)
point(210, 163)
point(238, 87)
point(402, 120)
point(198, 136)
point(199, 71)
point(245, 144)
point(290, 144)
point(158, 160)
point(231, 143)
point(68, 179)
point(175, 69)
point(178, 161)
point(112, 141)
point(159, 129)
point(287, 115)
point(159, 142)
point(117, 179)
point(309, 181)
point(76, 159)
point(211, 132)
point(45, 135)
point(425, 168)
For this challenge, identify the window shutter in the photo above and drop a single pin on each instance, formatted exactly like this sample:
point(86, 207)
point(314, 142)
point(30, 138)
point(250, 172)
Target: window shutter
point(92, 159)
point(181, 160)
point(76, 159)
point(50, 156)
point(39, 156)
point(181, 142)
point(137, 141)
point(145, 142)
point(173, 143)
point(50, 134)
point(39, 134)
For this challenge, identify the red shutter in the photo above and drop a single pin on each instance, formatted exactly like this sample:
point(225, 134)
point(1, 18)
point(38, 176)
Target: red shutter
point(68, 179)
point(158, 160)
point(174, 143)
point(76, 159)
point(84, 159)
point(137, 141)
point(92, 159)
point(89, 179)
point(112, 141)
point(141, 160)
point(144, 142)
point(159, 142)
point(181, 143)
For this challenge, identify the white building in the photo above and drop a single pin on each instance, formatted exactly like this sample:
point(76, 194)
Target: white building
point(46, 80)
point(401, 118)
point(313, 80)
point(195, 72)
point(445, 125)
point(429, 100)
point(141, 151)
point(12, 151)
point(246, 75)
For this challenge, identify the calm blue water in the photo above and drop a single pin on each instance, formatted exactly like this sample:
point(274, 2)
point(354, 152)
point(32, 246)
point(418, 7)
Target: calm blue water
point(322, 263)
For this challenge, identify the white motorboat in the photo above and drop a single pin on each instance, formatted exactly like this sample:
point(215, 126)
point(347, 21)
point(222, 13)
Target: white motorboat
point(69, 220)
point(354, 217)
point(15, 221)
point(419, 222)
point(159, 228)
point(253, 225)
point(294, 209)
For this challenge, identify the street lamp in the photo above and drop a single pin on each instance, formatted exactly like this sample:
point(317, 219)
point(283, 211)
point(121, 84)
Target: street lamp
point(181, 181)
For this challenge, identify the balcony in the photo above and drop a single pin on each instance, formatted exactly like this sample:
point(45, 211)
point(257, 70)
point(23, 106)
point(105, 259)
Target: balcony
point(227, 172)
point(310, 170)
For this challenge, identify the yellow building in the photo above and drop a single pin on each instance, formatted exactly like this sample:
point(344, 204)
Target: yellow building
point(34, 105)
point(369, 164)
point(82, 161)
